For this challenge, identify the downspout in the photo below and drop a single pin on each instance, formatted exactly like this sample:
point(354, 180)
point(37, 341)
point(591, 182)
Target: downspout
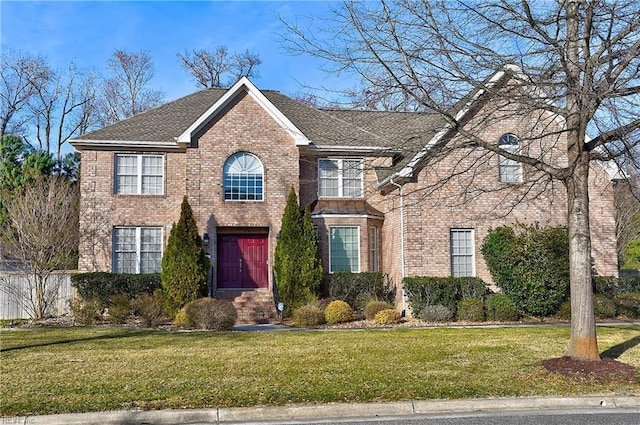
point(402, 243)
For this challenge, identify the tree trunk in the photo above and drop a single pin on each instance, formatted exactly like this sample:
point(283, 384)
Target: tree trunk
point(583, 344)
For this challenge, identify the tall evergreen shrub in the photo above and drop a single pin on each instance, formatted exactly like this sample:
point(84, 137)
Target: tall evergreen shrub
point(184, 263)
point(297, 260)
point(530, 264)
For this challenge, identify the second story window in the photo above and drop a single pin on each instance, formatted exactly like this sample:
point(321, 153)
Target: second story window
point(243, 178)
point(139, 174)
point(510, 171)
point(340, 178)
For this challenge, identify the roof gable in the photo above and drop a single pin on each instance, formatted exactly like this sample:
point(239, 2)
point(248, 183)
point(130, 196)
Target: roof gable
point(243, 86)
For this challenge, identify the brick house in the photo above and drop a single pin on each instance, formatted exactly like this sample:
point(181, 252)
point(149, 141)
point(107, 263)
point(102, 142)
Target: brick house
point(377, 196)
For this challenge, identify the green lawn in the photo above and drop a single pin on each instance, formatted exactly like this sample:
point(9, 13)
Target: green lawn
point(91, 369)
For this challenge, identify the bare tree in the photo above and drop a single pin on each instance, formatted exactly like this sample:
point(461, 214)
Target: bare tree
point(576, 71)
point(41, 234)
point(126, 91)
point(627, 220)
point(21, 74)
point(219, 68)
point(62, 106)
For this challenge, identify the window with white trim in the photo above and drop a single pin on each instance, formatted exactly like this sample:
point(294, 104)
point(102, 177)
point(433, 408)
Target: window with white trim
point(137, 249)
point(139, 174)
point(462, 248)
point(373, 249)
point(340, 178)
point(510, 171)
point(344, 249)
point(243, 178)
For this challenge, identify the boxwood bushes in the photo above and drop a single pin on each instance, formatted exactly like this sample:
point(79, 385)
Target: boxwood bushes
point(357, 289)
point(447, 292)
point(103, 286)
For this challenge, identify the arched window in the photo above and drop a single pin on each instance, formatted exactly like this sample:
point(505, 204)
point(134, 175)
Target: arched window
point(510, 171)
point(243, 178)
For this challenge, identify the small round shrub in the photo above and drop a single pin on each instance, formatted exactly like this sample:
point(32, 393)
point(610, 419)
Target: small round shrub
point(211, 314)
point(387, 317)
point(373, 307)
point(628, 304)
point(119, 308)
point(564, 312)
point(338, 312)
point(501, 308)
point(471, 310)
point(308, 315)
point(86, 312)
point(604, 307)
point(435, 313)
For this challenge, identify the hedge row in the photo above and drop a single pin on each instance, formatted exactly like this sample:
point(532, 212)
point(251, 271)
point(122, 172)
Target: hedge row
point(423, 291)
point(357, 289)
point(103, 286)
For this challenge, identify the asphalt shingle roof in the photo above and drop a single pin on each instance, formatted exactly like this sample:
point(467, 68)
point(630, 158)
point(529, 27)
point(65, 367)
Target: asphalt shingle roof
point(324, 127)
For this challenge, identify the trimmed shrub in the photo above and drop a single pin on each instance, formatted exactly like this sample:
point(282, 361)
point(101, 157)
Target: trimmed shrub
point(628, 304)
point(338, 312)
point(471, 310)
point(86, 312)
point(387, 317)
point(357, 289)
point(564, 312)
point(425, 291)
point(610, 286)
point(604, 307)
point(102, 286)
point(308, 315)
point(501, 308)
point(373, 307)
point(210, 314)
point(531, 265)
point(435, 313)
point(119, 308)
point(184, 264)
point(151, 308)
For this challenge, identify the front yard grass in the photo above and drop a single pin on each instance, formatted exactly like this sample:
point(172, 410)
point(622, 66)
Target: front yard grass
point(44, 371)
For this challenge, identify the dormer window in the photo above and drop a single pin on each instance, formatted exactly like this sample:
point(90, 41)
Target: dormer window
point(510, 171)
point(243, 178)
point(340, 178)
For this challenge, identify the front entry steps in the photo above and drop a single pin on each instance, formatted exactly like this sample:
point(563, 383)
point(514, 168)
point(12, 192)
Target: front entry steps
point(254, 306)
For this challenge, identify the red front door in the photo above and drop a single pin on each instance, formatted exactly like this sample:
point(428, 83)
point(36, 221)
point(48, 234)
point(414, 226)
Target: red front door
point(242, 261)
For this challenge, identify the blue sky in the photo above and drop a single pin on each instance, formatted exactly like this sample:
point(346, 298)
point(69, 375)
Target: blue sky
point(87, 32)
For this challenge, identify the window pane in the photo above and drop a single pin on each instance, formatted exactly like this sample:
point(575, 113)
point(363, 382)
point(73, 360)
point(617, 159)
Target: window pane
point(510, 171)
point(329, 178)
point(373, 249)
point(344, 249)
point(461, 253)
point(124, 246)
point(152, 175)
point(243, 178)
point(126, 174)
point(150, 249)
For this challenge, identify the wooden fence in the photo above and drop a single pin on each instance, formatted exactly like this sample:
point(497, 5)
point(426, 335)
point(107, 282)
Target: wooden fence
point(14, 289)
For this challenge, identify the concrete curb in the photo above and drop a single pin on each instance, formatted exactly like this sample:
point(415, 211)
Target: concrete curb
point(332, 410)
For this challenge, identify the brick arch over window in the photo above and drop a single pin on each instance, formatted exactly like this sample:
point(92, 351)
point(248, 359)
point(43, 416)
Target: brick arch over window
point(243, 178)
point(510, 171)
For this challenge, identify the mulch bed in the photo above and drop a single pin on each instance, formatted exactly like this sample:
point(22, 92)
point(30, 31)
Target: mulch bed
point(605, 371)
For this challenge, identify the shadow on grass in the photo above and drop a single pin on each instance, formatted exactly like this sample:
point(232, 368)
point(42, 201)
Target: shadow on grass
point(617, 350)
point(118, 335)
point(122, 334)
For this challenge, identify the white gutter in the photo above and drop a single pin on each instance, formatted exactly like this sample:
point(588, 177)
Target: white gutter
point(402, 243)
